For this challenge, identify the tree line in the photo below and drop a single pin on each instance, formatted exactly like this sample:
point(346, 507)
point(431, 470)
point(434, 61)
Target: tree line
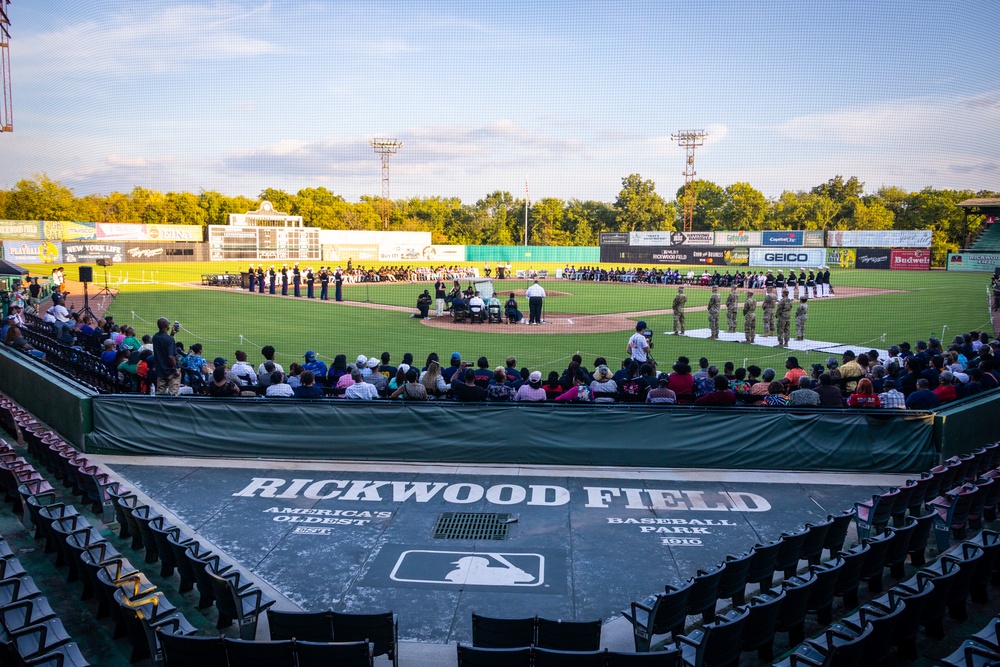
point(498, 218)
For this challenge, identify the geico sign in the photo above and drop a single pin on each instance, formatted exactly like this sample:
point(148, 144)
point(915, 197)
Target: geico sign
point(786, 257)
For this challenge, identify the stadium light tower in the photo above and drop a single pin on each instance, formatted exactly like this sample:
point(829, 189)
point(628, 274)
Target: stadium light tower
point(689, 140)
point(6, 113)
point(385, 148)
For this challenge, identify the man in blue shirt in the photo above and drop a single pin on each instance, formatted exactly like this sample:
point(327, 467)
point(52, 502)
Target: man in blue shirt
point(315, 366)
point(923, 398)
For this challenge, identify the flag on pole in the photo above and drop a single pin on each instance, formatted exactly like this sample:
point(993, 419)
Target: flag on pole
point(527, 197)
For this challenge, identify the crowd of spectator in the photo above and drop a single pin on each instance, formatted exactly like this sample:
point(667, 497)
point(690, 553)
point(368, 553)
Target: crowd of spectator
point(668, 276)
point(923, 376)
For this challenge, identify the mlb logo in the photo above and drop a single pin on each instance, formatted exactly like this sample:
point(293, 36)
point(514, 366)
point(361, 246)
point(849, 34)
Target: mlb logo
point(470, 568)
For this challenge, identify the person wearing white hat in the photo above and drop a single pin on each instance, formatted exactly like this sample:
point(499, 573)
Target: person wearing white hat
point(252, 277)
point(310, 283)
point(811, 285)
point(362, 363)
point(800, 283)
point(826, 281)
point(260, 278)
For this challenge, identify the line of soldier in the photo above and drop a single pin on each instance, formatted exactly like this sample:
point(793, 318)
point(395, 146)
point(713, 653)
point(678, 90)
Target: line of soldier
point(772, 308)
point(258, 279)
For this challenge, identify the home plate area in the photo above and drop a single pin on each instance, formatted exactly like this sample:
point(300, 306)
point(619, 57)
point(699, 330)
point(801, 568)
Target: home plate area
point(806, 345)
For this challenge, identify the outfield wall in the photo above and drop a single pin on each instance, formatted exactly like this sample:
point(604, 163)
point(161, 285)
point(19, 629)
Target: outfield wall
point(533, 253)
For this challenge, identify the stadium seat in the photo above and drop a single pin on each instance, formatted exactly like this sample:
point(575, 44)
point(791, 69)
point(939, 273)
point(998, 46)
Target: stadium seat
point(246, 653)
point(918, 541)
point(812, 547)
point(36, 640)
point(381, 630)
point(733, 581)
point(192, 651)
point(25, 613)
point(474, 656)
point(989, 636)
point(545, 657)
point(143, 516)
point(660, 614)
point(873, 566)
point(837, 533)
point(932, 615)
point(716, 644)
point(952, 510)
point(313, 626)
point(895, 555)
point(762, 618)
point(92, 560)
point(850, 574)
point(67, 655)
point(238, 602)
point(902, 502)
point(670, 657)
point(966, 558)
point(160, 531)
point(490, 632)
point(883, 620)
point(179, 545)
point(989, 542)
point(792, 615)
point(16, 590)
point(460, 314)
point(834, 648)
point(972, 654)
point(144, 616)
point(873, 515)
point(761, 571)
point(568, 635)
point(789, 553)
point(703, 595)
point(820, 601)
point(341, 654)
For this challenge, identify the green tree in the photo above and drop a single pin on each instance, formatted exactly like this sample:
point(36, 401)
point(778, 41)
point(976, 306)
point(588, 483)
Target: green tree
point(546, 223)
point(40, 198)
point(872, 216)
point(840, 190)
point(181, 208)
point(744, 208)
point(280, 200)
point(639, 208)
point(709, 200)
point(492, 218)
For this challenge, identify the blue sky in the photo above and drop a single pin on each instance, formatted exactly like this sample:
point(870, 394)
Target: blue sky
point(239, 96)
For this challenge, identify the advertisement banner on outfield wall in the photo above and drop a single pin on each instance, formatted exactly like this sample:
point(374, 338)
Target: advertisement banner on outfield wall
point(790, 257)
point(843, 258)
point(814, 238)
point(356, 252)
point(114, 231)
point(614, 238)
point(28, 230)
point(444, 253)
point(908, 238)
point(55, 230)
point(973, 261)
point(671, 238)
point(679, 255)
point(82, 253)
point(164, 252)
point(910, 260)
point(736, 256)
point(782, 239)
point(32, 252)
point(740, 238)
point(871, 258)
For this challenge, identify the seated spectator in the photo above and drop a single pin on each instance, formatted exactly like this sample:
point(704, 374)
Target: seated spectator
point(739, 385)
point(221, 386)
point(483, 373)
point(794, 371)
point(375, 378)
point(850, 372)
point(891, 398)
point(86, 328)
point(14, 339)
point(315, 366)
point(277, 387)
point(532, 391)
point(604, 388)
point(945, 391)
point(662, 393)
point(804, 396)
point(829, 395)
point(681, 381)
point(500, 390)
point(707, 384)
point(466, 390)
point(244, 371)
point(433, 381)
point(109, 353)
point(197, 363)
point(399, 379)
point(268, 353)
point(702, 371)
point(579, 392)
point(923, 398)
point(307, 386)
point(338, 369)
point(294, 376)
point(510, 310)
point(775, 397)
point(864, 396)
point(720, 394)
point(361, 389)
point(264, 378)
point(553, 386)
point(131, 343)
point(412, 390)
point(362, 365)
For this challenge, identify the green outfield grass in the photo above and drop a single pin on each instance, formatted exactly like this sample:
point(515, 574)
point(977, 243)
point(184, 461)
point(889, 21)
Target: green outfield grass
point(218, 319)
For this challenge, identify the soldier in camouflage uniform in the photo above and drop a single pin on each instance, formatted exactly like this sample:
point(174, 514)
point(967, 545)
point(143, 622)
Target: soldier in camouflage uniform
point(784, 311)
point(768, 305)
point(801, 315)
point(714, 305)
point(732, 307)
point(750, 317)
point(679, 302)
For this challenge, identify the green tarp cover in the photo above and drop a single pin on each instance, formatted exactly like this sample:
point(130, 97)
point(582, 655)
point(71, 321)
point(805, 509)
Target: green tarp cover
point(44, 393)
point(968, 425)
point(735, 438)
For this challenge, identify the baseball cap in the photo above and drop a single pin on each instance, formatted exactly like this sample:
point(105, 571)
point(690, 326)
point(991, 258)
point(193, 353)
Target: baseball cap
point(310, 356)
point(456, 356)
point(361, 361)
point(404, 367)
point(372, 362)
point(536, 376)
point(220, 361)
point(641, 324)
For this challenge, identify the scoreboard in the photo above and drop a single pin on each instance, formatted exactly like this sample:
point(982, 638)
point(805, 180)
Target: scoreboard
point(274, 243)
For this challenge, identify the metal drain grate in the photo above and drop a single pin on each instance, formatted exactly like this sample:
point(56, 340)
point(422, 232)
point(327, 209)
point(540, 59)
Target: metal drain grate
point(471, 526)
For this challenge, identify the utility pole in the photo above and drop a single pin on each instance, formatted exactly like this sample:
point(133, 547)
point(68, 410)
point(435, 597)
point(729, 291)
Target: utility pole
point(689, 140)
point(384, 148)
point(527, 205)
point(6, 112)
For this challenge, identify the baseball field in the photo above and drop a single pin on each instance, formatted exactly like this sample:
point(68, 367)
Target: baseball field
point(869, 309)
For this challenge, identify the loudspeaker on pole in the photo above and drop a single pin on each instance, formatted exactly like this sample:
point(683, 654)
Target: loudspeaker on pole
point(86, 274)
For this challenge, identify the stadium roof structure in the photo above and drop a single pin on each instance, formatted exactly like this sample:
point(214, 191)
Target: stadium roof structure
point(980, 202)
point(11, 269)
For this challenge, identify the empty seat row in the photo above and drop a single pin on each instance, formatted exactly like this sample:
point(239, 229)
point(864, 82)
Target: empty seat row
point(533, 656)
point(489, 632)
point(183, 651)
point(982, 648)
point(381, 630)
